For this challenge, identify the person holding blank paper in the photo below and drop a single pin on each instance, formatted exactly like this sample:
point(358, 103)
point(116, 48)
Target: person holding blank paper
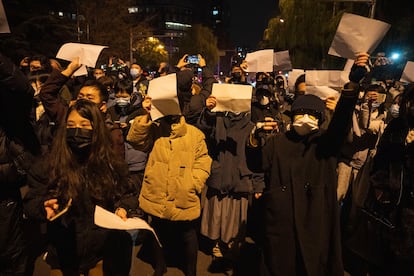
point(81, 171)
point(224, 215)
point(302, 231)
point(177, 168)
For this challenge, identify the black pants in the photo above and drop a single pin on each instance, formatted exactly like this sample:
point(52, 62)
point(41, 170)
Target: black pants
point(13, 251)
point(174, 237)
point(117, 256)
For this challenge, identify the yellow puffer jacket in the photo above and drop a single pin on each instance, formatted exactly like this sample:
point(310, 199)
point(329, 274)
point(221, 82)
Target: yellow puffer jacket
point(177, 169)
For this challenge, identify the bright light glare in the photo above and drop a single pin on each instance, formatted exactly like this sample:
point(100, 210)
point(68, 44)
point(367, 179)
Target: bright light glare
point(133, 10)
point(395, 56)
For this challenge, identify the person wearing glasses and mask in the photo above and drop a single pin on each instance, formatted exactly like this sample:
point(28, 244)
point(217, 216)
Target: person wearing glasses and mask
point(301, 220)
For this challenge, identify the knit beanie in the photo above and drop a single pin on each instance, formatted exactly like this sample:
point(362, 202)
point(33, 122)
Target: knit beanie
point(309, 104)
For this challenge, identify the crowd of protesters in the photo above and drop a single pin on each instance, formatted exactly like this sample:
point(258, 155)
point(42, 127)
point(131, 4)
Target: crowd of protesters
point(322, 186)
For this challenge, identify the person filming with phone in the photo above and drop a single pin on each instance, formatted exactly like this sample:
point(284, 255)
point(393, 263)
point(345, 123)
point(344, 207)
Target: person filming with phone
point(192, 103)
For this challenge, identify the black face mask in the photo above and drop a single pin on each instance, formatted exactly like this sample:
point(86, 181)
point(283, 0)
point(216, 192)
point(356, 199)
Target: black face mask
point(172, 119)
point(165, 124)
point(236, 77)
point(79, 140)
point(264, 96)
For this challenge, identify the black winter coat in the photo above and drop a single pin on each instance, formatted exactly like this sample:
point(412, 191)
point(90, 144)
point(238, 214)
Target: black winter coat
point(226, 138)
point(74, 239)
point(302, 234)
point(392, 189)
point(18, 143)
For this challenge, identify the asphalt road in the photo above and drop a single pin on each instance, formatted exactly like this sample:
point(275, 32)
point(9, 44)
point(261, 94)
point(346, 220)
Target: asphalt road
point(247, 264)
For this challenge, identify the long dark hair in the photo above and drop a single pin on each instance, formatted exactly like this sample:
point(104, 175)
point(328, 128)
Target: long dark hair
point(102, 174)
point(407, 106)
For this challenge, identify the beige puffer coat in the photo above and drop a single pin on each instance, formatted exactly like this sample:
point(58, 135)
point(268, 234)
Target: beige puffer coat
point(177, 169)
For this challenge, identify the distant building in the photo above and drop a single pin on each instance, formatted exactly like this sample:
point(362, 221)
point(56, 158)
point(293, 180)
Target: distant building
point(219, 21)
point(170, 19)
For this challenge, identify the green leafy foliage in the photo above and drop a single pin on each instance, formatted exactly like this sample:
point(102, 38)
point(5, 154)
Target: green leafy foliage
point(199, 40)
point(306, 28)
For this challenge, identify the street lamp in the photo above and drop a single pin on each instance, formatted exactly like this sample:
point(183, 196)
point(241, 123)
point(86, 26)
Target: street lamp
point(131, 10)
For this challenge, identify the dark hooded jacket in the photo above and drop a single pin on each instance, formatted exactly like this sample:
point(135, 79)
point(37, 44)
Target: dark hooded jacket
point(192, 105)
point(18, 144)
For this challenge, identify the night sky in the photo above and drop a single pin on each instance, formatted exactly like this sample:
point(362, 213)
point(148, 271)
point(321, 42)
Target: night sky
point(249, 19)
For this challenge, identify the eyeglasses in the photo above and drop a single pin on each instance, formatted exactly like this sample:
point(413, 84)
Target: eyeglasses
point(299, 116)
point(312, 114)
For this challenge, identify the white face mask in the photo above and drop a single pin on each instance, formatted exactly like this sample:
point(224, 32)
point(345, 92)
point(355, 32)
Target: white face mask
point(264, 100)
point(122, 102)
point(134, 72)
point(375, 105)
point(305, 125)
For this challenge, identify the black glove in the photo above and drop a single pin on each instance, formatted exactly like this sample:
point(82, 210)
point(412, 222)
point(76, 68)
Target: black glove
point(357, 73)
point(289, 97)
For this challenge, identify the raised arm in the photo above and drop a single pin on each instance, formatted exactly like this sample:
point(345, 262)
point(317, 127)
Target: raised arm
point(49, 93)
point(16, 98)
point(341, 121)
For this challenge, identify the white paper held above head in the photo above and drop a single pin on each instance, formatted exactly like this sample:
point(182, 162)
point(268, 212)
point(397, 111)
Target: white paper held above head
point(164, 99)
point(357, 34)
